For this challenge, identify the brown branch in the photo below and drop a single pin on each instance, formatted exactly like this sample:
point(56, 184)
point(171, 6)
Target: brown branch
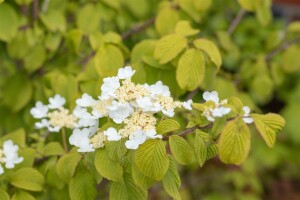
point(235, 22)
point(138, 28)
point(281, 48)
point(35, 9)
point(191, 94)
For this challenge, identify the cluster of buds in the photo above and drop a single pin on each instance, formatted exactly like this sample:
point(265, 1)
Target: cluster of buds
point(9, 155)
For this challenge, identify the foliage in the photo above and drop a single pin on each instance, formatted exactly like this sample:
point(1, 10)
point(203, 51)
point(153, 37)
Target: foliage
point(68, 47)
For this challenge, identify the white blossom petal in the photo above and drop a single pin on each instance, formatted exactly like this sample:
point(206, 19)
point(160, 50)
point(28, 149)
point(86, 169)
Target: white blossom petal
point(220, 111)
point(1, 169)
point(188, 104)
point(246, 110)
point(112, 134)
point(10, 152)
point(211, 96)
point(109, 87)
point(118, 112)
point(248, 120)
point(169, 113)
point(145, 104)
point(56, 102)
point(80, 138)
point(135, 140)
point(39, 111)
point(42, 124)
point(125, 72)
point(85, 101)
point(158, 89)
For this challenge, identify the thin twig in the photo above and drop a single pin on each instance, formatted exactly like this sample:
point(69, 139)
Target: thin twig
point(35, 9)
point(64, 140)
point(235, 22)
point(281, 48)
point(191, 94)
point(138, 28)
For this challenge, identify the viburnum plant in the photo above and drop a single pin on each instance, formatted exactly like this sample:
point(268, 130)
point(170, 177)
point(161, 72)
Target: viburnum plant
point(138, 143)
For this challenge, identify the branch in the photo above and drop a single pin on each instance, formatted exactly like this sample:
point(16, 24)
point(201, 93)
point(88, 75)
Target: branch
point(138, 28)
point(191, 130)
point(281, 48)
point(192, 94)
point(235, 22)
point(35, 9)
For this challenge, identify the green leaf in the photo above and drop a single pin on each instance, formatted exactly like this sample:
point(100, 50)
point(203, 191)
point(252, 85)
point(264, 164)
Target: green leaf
point(88, 18)
point(17, 100)
point(171, 180)
point(184, 28)
point(263, 12)
point(116, 149)
point(17, 136)
point(248, 5)
point(168, 47)
point(140, 179)
point(4, 195)
point(290, 61)
point(190, 70)
point(22, 195)
point(190, 8)
point(166, 20)
point(54, 20)
point(8, 23)
point(234, 142)
point(75, 37)
point(211, 49)
point(66, 166)
point(212, 151)
point(126, 190)
point(151, 159)
point(53, 149)
point(108, 168)
point(167, 125)
point(28, 179)
point(181, 150)
point(200, 149)
point(268, 126)
point(141, 49)
point(35, 58)
point(108, 60)
point(202, 5)
point(236, 105)
point(82, 187)
point(294, 27)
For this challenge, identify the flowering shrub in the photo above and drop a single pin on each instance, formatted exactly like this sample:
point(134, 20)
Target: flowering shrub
point(75, 125)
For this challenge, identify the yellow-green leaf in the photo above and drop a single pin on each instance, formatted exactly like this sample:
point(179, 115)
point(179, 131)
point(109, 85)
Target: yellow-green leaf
point(108, 60)
point(211, 49)
point(168, 47)
point(53, 149)
point(28, 179)
point(140, 179)
point(268, 126)
point(294, 27)
point(171, 181)
point(4, 195)
point(151, 159)
point(200, 149)
point(21, 195)
point(88, 18)
point(82, 187)
point(247, 5)
point(167, 125)
point(184, 28)
point(107, 167)
point(54, 20)
point(8, 22)
point(66, 166)
point(166, 20)
point(202, 5)
point(190, 70)
point(234, 142)
point(181, 150)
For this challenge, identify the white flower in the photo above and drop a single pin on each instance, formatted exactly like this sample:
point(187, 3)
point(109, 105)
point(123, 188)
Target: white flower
point(1, 169)
point(39, 111)
point(119, 112)
point(135, 140)
point(158, 89)
point(169, 112)
point(80, 138)
point(112, 134)
point(125, 72)
point(188, 104)
point(54, 129)
point(109, 87)
point(10, 152)
point(152, 134)
point(246, 117)
point(220, 111)
point(85, 101)
point(42, 124)
point(211, 96)
point(145, 104)
point(56, 102)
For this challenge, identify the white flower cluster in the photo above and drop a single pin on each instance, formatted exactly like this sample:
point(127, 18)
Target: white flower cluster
point(9, 156)
point(217, 108)
point(132, 105)
point(54, 116)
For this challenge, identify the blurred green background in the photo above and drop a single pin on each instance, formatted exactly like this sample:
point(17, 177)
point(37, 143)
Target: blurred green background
point(68, 47)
